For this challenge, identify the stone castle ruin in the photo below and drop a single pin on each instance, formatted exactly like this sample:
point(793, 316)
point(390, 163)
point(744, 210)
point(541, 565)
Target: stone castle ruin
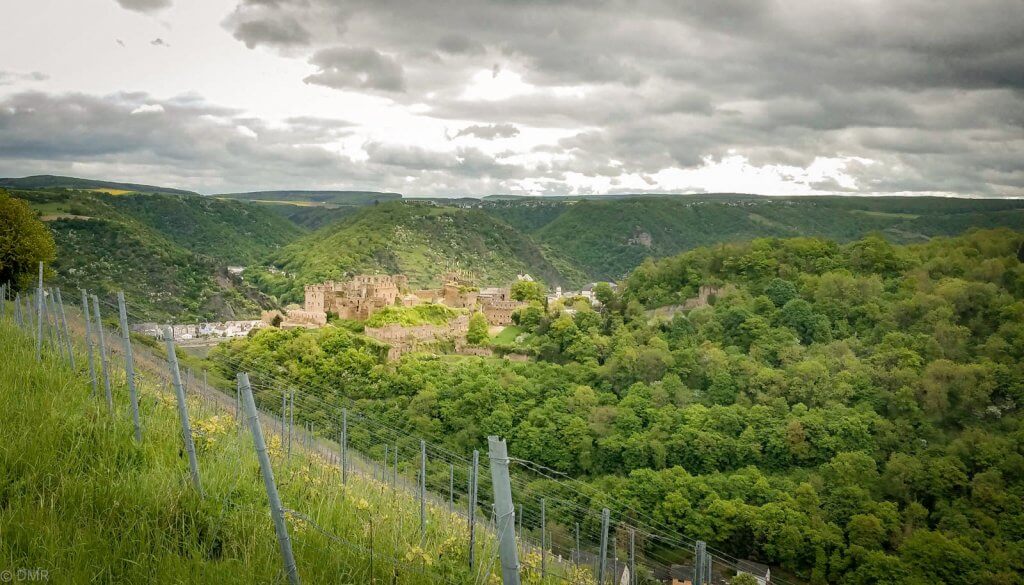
point(359, 298)
point(403, 338)
point(456, 292)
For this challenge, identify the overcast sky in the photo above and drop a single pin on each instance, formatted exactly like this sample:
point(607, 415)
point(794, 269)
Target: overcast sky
point(474, 97)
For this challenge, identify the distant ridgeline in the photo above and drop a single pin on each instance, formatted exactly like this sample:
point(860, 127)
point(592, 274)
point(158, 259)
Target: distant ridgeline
point(571, 241)
point(57, 182)
point(174, 246)
point(323, 197)
point(313, 209)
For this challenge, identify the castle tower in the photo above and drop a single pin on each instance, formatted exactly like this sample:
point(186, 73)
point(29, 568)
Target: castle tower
point(315, 298)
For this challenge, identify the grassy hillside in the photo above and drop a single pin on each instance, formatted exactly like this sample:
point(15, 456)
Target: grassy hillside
point(169, 252)
point(608, 238)
point(86, 503)
point(419, 240)
point(58, 182)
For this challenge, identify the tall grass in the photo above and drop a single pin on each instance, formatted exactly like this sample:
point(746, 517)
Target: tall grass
point(82, 500)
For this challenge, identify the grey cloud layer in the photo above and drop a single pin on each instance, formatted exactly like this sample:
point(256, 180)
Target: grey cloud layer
point(929, 92)
point(188, 142)
point(932, 90)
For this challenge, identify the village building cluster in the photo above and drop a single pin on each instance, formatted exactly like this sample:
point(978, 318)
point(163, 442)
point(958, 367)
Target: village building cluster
point(586, 293)
point(185, 332)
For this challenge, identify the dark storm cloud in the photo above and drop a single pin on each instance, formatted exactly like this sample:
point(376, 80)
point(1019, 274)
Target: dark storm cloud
point(912, 42)
point(144, 5)
point(489, 131)
point(280, 32)
point(357, 68)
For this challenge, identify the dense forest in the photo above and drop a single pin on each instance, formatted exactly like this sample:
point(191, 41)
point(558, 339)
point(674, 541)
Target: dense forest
point(847, 412)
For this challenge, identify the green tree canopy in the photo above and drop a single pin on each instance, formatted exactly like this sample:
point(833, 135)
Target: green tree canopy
point(477, 333)
point(24, 241)
point(743, 579)
point(527, 290)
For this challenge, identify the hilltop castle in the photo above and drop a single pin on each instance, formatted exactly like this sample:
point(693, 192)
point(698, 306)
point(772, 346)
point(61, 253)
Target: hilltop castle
point(359, 298)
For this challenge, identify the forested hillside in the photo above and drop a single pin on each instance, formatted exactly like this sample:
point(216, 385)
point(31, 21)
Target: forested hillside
point(313, 209)
point(604, 238)
point(607, 238)
point(850, 413)
point(230, 232)
point(310, 217)
point(169, 252)
point(420, 240)
point(527, 215)
point(177, 244)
